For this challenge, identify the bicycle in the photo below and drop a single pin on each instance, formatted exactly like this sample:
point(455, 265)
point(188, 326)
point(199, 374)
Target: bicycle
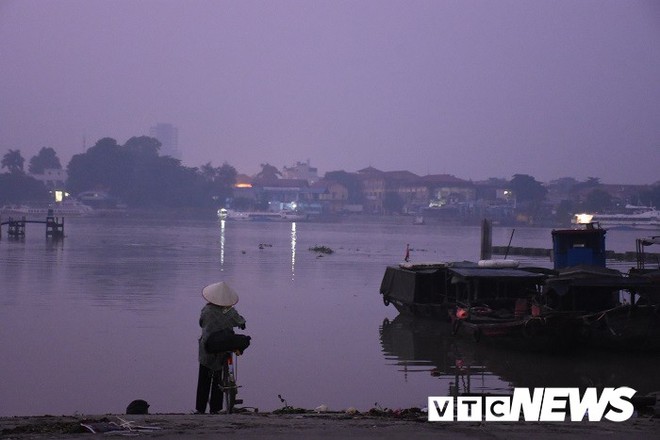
point(228, 384)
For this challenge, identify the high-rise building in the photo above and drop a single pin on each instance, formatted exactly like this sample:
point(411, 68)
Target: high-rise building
point(168, 135)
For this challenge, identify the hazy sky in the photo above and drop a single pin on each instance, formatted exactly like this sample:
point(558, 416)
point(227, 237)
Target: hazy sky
point(472, 88)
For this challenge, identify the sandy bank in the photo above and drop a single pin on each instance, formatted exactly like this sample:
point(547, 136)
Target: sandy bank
point(311, 425)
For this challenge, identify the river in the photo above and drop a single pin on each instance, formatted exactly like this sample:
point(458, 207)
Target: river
point(110, 314)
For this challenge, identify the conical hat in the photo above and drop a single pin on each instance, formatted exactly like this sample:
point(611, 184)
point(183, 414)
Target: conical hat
point(220, 294)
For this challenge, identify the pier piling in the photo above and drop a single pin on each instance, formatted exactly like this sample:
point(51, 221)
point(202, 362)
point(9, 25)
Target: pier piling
point(16, 228)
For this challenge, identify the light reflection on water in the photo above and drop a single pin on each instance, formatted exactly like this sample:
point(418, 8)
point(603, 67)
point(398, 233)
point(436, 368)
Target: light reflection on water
point(110, 314)
point(222, 244)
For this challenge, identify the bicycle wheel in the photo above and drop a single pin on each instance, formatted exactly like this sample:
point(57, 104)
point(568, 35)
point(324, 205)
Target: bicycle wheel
point(229, 388)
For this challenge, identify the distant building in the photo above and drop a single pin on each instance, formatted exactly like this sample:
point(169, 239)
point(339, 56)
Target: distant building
point(301, 170)
point(168, 135)
point(52, 178)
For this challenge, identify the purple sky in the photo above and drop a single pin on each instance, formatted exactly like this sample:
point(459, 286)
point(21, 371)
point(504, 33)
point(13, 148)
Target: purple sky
point(473, 88)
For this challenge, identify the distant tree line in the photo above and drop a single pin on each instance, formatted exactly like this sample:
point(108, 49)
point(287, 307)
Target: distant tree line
point(134, 173)
point(137, 175)
point(16, 186)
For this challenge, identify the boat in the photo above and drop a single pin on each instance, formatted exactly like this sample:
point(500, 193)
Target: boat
point(613, 310)
point(635, 217)
point(102, 202)
point(418, 289)
point(579, 301)
point(66, 208)
point(429, 289)
point(261, 216)
point(500, 305)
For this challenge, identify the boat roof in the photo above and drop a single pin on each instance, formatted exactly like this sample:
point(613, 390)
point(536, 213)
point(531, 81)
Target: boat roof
point(487, 272)
point(622, 282)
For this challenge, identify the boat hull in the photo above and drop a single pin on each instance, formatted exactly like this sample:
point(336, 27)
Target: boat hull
point(623, 328)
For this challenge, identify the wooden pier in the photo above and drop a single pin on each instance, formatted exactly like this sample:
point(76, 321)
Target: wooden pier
point(547, 253)
point(16, 227)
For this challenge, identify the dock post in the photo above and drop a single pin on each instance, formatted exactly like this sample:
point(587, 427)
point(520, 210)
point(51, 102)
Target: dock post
point(54, 228)
point(486, 240)
point(50, 226)
point(16, 228)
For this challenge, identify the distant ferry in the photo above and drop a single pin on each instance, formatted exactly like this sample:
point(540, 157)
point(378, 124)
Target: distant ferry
point(67, 208)
point(637, 217)
point(261, 216)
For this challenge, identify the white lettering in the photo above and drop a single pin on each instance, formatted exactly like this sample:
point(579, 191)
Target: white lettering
point(498, 409)
point(468, 409)
point(588, 405)
point(622, 409)
point(440, 409)
point(530, 406)
point(541, 405)
point(554, 404)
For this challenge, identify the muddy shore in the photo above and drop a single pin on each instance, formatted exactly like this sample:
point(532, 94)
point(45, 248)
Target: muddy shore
point(309, 425)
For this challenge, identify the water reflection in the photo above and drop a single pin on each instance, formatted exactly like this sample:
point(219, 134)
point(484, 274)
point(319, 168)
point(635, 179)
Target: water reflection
point(293, 250)
point(427, 346)
point(222, 245)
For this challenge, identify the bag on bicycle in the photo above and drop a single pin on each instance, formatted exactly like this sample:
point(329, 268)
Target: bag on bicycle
point(226, 340)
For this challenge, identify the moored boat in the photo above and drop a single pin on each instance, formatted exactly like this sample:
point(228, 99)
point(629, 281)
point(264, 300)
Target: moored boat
point(613, 310)
point(634, 217)
point(418, 289)
point(261, 216)
point(67, 208)
point(579, 301)
point(500, 305)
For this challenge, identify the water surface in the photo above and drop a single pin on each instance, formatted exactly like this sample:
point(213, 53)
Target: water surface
point(110, 314)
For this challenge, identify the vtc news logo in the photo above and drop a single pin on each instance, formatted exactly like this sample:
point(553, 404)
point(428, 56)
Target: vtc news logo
point(541, 405)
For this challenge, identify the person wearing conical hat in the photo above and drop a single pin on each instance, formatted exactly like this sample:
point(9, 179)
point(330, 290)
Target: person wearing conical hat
point(218, 314)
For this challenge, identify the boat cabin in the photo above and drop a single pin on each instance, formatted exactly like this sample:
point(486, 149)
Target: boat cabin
point(573, 247)
point(591, 289)
point(506, 290)
point(419, 289)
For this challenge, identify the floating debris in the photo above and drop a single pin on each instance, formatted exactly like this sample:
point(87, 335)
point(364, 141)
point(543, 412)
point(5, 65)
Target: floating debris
point(322, 250)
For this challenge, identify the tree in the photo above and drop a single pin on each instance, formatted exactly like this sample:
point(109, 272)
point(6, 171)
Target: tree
point(564, 212)
point(591, 182)
point(219, 181)
point(135, 174)
point(598, 200)
point(13, 161)
point(268, 173)
point(527, 189)
point(226, 176)
point(16, 188)
point(143, 146)
point(45, 159)
point(103, 166)
point(208, 171)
